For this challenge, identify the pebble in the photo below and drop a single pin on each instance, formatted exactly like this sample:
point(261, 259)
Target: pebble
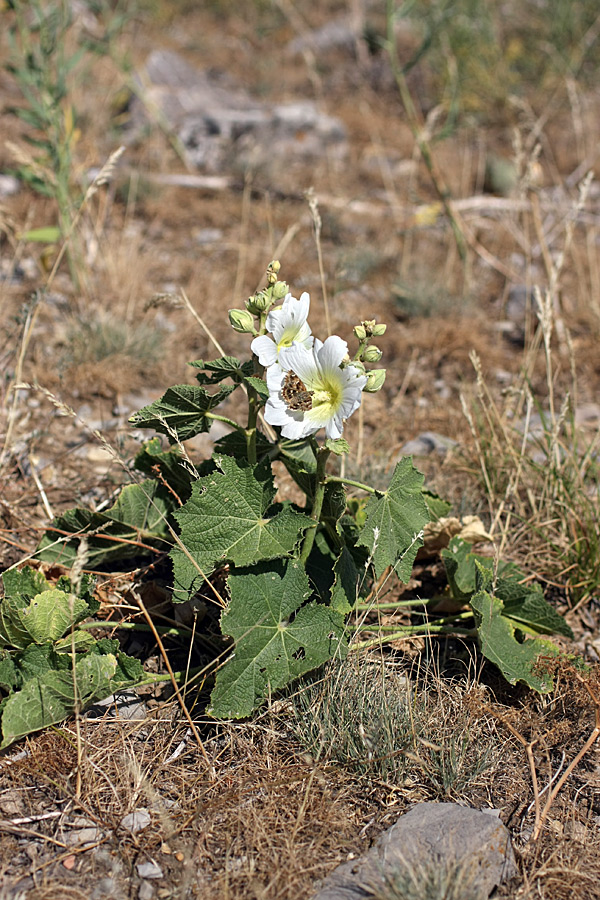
point(149, 870)
point(136, 821)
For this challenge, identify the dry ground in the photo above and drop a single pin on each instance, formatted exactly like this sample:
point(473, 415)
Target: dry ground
point(279, 811)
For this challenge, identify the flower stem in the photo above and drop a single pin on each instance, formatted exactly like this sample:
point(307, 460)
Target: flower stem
point(320, 482)
point(357, 484)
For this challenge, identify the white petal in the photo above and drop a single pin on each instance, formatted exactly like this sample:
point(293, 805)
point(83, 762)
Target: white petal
point(301, 361)
point(265, 349)
point(331, 353)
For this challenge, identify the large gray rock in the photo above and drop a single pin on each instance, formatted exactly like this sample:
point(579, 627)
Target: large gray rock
point(473, 844)
point(221, 126)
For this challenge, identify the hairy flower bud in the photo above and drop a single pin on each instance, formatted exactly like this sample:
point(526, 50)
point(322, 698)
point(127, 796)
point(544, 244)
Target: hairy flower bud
point(280, 290)
point(372, 354)
point(368, 325)
point(375, 380)
point(272, 271)
point(360, 333)
point(378, 330)
point(241, 320)
point(258, 303)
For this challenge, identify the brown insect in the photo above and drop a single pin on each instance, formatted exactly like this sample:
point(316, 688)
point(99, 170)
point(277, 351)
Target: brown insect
point(295, 394)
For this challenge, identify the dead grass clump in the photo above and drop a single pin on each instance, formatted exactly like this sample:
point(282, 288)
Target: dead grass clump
point(564, 869)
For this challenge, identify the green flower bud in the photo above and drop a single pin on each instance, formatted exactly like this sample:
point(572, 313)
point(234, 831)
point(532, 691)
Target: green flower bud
point(372, 354)
point(280, 290)
point(241, 320)
point(258, 303)
point(379, 330)
point(360, 333)
point(368, 325)
point(358, 365)
point(375, 381)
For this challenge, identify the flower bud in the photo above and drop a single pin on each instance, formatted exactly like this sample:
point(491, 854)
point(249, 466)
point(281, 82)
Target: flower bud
point(360, 333)
point(368, 325)
point(372, 354)
point(258, 303)
point(378, 330)
point(241, 320)
point(272, 271)
point(375, 381)
point(280, 290)
point(356, 364)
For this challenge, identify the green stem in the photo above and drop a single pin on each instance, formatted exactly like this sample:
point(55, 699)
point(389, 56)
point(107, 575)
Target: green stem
point(357, 484)
point(413, 630)
point(426, 626)
point(135, 626)
point(399, 604)
point(320, 482)
point(217, 418)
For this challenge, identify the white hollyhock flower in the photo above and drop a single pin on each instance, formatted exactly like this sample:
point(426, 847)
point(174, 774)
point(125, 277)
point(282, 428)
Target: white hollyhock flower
point(288, 326)
point(308, 390)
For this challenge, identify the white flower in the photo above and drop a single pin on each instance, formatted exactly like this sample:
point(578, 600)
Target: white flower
point(288, 326)
point(308, 390)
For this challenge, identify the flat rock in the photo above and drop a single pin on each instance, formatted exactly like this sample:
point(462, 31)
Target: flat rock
point(428, 442)
point(473, 844)
point(136, 820)
point(149, 870)
point(221, 127)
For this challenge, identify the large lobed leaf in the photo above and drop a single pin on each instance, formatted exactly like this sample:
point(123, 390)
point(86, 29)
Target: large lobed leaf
point(181, 411)
point(518, 661)
point(229, 519)
point(136, 523)
point(394, 521)
point(277, 637)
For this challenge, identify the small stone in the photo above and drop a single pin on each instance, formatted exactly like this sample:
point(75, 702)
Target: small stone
point(9, 185)
point(426, 443)
point(146, 891)
point(149, 870)
point(136, 821)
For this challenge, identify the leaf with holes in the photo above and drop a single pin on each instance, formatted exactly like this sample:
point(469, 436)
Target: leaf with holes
point(278, 636)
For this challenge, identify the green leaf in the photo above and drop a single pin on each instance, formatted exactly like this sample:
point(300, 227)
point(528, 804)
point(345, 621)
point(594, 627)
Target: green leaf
point(25, 583)
point(339, 447)
point(299, 459)
point(13, 633)
point(437, 507)
point(229, 519)
point(135, 524)
point(460, 563)
point(394, 521)
point(79, 641)
point(48, 235)
point(530, 608)
point(9, 675)
point(51, 613)
point(181, 411)
point(277, 638)
point(224, 367)
point(344, 592)
point(517, 661)
point(168, 463)
point(259, 385)
point(50, 698)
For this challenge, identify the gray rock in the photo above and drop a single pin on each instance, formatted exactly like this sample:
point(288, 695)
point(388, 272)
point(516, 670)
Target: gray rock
point(9, 185)
point(146, 891)
point(220, 126)
point(136, 821)
point(336, 33)
point(149, 870)
point(426, 443)
point(124, 705)
point(432, 840)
